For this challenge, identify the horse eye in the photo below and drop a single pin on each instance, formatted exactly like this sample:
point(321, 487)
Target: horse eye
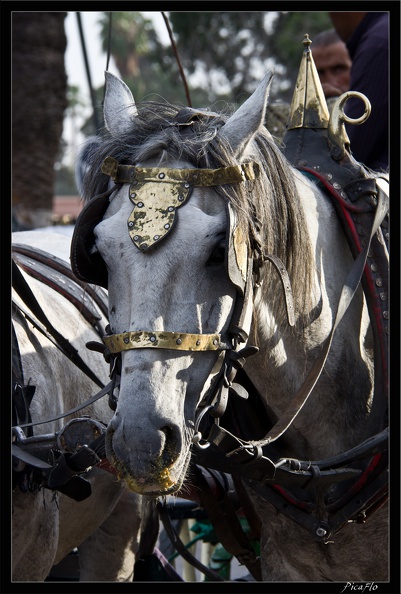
point(218, 254)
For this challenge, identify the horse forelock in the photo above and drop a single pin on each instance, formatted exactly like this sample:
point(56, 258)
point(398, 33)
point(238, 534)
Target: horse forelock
point(268, 208)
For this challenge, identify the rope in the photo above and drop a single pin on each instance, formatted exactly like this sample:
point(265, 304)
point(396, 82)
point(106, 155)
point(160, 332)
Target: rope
point(178, 59)
point(88, 74)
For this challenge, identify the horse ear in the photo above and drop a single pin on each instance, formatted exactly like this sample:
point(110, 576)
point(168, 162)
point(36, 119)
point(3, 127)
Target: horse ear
point(119, 106)
point(246, 121)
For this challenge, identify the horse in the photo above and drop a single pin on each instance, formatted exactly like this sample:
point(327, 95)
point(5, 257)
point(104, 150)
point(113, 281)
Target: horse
point(224, 260)
point(95, 514)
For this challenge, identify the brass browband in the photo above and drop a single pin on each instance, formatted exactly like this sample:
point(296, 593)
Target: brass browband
point(194, 177)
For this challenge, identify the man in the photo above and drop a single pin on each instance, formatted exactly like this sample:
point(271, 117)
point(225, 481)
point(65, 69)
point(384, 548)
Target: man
point(332, 62)
point(366, 35)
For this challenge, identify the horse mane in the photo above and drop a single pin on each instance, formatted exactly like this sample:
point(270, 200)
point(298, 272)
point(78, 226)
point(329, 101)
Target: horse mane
point(268, 208)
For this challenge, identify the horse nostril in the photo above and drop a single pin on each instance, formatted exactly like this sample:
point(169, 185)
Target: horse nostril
point(169, 450)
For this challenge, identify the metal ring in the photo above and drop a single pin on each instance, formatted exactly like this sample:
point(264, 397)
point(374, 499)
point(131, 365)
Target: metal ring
point(363, 98)
point(197, 434)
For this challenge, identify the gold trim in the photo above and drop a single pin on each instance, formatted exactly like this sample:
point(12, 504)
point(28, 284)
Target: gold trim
point(336, 132)
point(163, 340)
point(308, 107)
point(194, 177)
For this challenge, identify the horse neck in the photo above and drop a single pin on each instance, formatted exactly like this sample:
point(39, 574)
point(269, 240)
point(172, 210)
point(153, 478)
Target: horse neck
point(286, 354)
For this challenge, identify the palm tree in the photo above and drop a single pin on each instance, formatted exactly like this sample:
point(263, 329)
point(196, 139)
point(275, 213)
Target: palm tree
point(39, 84)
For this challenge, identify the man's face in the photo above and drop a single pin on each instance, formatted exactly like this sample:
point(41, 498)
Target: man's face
point(334, 67)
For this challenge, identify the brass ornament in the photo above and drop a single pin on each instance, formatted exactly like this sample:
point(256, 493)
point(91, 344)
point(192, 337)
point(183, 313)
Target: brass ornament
point(163, 340)
point(155, 210)
point(157, 192)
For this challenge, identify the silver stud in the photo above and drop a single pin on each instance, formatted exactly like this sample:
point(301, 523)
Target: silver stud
point(130, 224)
point(156, 237)
point(198, 342)
point(186, 185)
point(180, 197)
point(167, 226)
point(133, 195)
point(383, 296)
point(178, 341)
point(152, 339)
point(126, 340)
point(162, 175)
point(136, 237)
point(336, 186)
point(379, 282)
point(385, 315)
point(170, 208)
point(139, 204)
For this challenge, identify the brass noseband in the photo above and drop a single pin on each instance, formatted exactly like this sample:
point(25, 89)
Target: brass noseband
point(164, 340)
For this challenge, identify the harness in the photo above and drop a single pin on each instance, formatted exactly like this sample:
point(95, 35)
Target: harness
point(55, 461)
point(356, 481)
point(230, 434)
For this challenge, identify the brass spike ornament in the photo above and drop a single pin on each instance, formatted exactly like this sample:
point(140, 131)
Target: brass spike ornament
point(309, 111)
point(308, 107)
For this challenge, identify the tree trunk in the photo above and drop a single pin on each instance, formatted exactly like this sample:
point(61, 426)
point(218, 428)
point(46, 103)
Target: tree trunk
point(39, 98)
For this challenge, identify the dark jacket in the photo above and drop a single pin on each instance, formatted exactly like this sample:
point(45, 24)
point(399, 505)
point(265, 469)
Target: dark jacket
point(368, 48)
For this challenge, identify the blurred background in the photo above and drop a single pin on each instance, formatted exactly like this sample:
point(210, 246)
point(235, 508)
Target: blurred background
point(58, 64)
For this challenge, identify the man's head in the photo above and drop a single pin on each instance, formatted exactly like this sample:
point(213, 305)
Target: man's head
point(332, 62)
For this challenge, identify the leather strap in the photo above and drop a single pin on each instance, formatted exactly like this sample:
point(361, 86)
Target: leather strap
point(350, 286)
point(26, 294)
point(181, 548)
point(225, 522)
point(51, 261)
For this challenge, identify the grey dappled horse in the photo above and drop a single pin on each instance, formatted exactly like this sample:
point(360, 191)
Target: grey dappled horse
point(198, 240)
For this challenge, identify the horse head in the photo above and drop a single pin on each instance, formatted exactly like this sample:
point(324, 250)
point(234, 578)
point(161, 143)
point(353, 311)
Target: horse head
point(175, 257)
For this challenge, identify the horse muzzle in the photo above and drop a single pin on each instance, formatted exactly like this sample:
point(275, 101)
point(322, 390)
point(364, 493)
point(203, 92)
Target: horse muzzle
point(150, 462)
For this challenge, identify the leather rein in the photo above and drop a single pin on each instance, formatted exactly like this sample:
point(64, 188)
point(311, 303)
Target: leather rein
point(289, 483)
point(53, 458)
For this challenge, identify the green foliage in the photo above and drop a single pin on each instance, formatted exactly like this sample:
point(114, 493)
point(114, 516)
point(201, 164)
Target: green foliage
point(237, 48)
point(145, 65)
point(286, 40)
point(224, 54)
point(226, 47)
